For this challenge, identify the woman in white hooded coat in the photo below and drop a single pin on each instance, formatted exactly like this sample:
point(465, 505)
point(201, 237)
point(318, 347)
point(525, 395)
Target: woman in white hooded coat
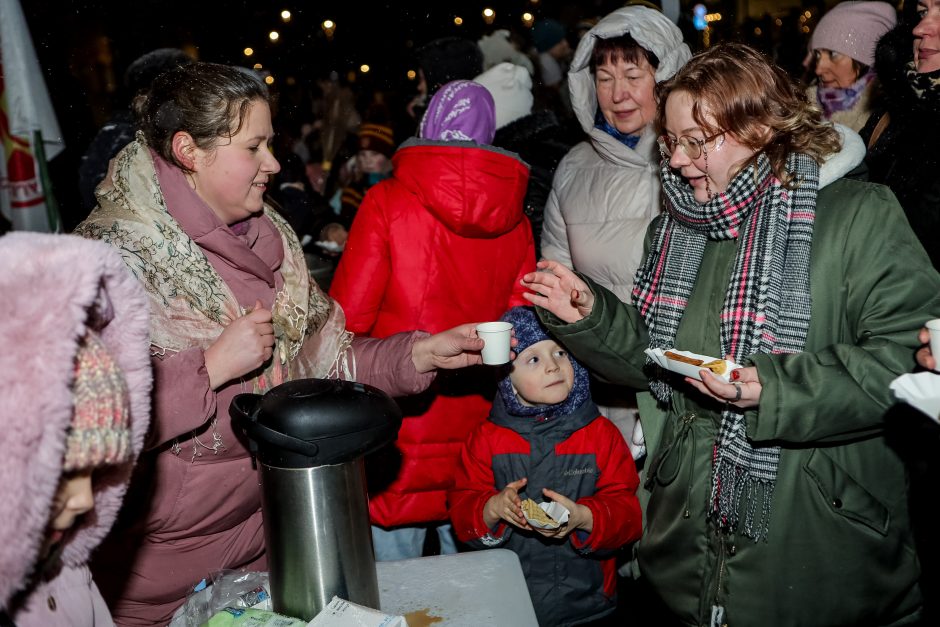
point(606, 190)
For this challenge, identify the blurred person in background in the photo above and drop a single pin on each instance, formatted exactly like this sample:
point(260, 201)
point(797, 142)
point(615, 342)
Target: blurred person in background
point(373, 163)
point(442, 61)
point(842, 57)
point(120, 129)
point(901, 135)
point(536, 136)
point(501, 47)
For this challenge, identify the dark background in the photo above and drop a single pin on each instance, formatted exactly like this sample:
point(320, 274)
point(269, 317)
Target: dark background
point(85, 46)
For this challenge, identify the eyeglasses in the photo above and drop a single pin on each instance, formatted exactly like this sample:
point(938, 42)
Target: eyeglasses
point(693, 147)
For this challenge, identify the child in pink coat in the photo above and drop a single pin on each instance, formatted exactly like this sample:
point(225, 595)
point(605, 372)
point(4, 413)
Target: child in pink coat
point(75, 382)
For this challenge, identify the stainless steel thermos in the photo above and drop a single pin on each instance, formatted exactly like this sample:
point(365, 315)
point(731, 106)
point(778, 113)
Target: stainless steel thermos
point(309, 437)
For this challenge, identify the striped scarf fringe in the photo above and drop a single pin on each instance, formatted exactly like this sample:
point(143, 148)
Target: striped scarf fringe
point(766, 308)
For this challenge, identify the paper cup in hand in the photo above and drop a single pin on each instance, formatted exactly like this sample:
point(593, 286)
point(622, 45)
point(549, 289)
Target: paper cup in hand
point(495, 336)
point(934, 327)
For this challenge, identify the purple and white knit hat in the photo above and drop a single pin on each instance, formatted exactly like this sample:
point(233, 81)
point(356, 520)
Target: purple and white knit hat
point(853, 29)
point(460, 111)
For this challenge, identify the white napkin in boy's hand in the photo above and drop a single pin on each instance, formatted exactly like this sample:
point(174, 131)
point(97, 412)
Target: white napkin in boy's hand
point(920, 390)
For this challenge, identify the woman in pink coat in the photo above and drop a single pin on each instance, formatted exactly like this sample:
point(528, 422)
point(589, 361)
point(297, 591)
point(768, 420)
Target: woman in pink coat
point(75, 382)
point(233, 309)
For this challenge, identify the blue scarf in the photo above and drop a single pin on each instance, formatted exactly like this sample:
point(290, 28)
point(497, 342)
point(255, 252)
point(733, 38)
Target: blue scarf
point(630, 141)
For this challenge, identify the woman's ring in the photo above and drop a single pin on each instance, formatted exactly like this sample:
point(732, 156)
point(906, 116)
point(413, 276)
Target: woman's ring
point(737, 392)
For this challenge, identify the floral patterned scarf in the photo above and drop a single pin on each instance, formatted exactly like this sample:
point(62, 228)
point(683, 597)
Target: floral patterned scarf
point(190, 302)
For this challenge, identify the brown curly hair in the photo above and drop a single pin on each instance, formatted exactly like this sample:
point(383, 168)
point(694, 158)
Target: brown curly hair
point(735, 89)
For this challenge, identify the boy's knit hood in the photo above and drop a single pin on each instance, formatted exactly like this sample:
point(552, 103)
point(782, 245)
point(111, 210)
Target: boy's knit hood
point(528, 330)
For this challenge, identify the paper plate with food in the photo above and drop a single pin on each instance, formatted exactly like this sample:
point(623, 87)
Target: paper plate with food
point(689, 364)
point(545, 515)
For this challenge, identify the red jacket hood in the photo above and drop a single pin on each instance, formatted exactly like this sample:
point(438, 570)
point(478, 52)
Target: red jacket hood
point(476, 191)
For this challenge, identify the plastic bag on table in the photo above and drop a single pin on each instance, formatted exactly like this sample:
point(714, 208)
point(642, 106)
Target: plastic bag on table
point(228, 588)
point(239, 590)
point(249, 617)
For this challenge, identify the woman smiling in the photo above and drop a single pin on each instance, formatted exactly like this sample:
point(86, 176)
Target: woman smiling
point(816, 285)
point(232, 309)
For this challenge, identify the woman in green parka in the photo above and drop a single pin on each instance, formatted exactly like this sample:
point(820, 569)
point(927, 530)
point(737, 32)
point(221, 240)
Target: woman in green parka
point(772, 498)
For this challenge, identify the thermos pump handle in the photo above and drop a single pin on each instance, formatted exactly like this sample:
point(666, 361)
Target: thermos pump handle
point(244, 413)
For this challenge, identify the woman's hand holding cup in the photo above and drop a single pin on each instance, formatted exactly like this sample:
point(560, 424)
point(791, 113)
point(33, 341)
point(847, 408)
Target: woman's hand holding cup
point(245, 345)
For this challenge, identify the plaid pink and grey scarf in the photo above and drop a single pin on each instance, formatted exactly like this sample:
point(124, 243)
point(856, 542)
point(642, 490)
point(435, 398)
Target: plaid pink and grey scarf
point(766, 309)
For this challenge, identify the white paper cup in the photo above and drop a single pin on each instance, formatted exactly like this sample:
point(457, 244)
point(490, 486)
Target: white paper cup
point(934, 327)
point(495, 336)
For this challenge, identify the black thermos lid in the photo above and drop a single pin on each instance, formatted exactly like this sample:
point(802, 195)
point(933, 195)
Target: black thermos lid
point(315, 422)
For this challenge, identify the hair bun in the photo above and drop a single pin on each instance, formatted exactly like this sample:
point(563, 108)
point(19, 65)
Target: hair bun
point(168, 117)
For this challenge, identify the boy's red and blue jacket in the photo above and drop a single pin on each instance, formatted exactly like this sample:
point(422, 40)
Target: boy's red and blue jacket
point(581, 455)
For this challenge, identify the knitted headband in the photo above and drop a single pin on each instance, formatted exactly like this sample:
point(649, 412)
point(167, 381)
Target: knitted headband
point(377, 137)
point(99, 433)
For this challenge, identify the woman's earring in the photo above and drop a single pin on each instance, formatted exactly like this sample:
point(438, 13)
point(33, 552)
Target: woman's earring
point(708, 189)
point(191, 180)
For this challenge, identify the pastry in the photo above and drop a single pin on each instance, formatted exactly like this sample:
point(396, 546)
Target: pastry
point(536, 514)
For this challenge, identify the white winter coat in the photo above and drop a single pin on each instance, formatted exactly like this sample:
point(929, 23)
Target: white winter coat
point(604, 194)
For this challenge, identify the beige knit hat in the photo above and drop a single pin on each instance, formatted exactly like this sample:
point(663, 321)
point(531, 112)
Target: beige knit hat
point(99, 434)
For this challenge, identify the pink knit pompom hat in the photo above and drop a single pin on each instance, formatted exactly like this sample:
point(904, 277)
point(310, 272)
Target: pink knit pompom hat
point(854, 28)
point(99, 433)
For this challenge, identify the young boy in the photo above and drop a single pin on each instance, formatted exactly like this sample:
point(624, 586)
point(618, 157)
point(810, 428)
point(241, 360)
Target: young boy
point(546, 441)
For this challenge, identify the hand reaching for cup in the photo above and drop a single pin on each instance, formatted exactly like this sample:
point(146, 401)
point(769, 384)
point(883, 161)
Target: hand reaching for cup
point(559, 290)
point(245, 345)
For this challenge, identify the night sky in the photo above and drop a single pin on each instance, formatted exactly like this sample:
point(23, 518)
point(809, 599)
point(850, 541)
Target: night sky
point(84, 47)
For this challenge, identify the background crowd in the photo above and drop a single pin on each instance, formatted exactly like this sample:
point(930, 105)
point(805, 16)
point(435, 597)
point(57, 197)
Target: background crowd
point(397, 215)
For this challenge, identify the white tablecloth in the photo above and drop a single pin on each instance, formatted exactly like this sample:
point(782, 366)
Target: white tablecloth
point(465, 590)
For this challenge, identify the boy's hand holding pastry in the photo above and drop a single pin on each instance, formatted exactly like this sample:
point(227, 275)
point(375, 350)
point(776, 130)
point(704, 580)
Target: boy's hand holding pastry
point(506, 506)
point(579, 517)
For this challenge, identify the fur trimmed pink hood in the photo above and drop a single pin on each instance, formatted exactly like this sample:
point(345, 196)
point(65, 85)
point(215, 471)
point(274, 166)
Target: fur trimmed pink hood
point(49, 284)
